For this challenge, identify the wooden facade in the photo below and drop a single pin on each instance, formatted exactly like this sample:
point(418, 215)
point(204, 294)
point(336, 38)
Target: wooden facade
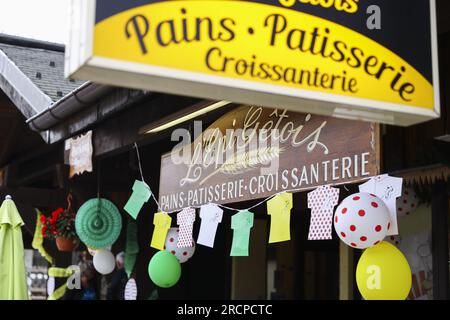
point(36, 175)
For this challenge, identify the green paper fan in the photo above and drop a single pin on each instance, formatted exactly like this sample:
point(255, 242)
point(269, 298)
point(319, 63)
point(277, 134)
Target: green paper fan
point(98, 223)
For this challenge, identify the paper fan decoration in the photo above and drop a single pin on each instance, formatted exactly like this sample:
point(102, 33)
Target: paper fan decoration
point(98, 223)
point(130, 290)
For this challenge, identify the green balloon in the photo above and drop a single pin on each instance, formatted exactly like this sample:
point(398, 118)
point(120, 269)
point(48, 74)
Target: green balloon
point(164, 269)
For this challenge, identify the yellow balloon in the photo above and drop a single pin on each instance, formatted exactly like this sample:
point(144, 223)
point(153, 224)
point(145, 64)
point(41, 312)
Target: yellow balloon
point(383, 273)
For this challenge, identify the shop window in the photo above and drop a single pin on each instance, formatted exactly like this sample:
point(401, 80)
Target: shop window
point(303, 269)
point(414, 241)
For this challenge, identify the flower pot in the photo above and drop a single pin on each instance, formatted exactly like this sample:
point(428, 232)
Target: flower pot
point(65, 244)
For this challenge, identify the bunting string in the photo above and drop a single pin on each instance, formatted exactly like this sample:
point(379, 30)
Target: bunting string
point(142, 177)
point(220, 205)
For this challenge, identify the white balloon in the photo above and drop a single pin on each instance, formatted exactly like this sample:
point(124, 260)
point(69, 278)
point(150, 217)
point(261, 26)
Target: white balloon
point(362, 220)
point(182, 254)
point(407, 203)
point(130, 290)
point(104, 261)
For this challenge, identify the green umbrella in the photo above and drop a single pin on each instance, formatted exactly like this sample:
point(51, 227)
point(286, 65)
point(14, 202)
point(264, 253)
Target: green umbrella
point(13, 278)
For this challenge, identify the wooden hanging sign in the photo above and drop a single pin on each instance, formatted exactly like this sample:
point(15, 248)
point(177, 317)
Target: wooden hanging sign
point(254, 152)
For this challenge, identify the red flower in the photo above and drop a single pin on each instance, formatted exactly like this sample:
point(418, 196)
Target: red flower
point(44, 231)
point(57, 212)
point(43, 219)
point(59, 223)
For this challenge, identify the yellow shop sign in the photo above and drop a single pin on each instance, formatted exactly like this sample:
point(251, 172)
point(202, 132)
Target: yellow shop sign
point(343, 58)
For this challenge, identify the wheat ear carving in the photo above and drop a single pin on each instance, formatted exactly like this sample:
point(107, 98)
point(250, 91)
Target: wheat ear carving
point(246, 161)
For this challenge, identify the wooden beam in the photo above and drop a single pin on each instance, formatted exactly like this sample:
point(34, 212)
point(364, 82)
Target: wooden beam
point(35, 176)
point(177, 115)
point(36, 165)
point(117, 134)
point(11, 138)
point(34, 196)
point(3, 176)
point(62, 176)
point(6, 175)
point(346, 274)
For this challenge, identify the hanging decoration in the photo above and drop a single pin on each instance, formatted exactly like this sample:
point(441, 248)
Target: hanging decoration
point(388, 189)
point(98, 223)
point(407, 203)
point(383, 273)
point(362, 220)
point(164, 269)
point(80, 154)
point(141, 194)
point(211, 216)
point(162, 222)
point(394, 240)
point(50, 285)
point(154, 295)
point(132, 247)
point(279, 209)
point(182, 254)
point(60, 226)
point(92, 251)
point(66, 237)
point(104, 261)
point(322, 202)
point(130, 290)
point(185, 220)
point(241, 223)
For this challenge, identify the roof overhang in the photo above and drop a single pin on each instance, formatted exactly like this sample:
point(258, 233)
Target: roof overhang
point(27, 97)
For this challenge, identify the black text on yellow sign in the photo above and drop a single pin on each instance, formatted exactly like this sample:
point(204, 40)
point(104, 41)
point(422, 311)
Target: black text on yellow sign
point(263, 44)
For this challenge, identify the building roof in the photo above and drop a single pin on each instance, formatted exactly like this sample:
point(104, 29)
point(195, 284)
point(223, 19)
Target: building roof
point(41, 62)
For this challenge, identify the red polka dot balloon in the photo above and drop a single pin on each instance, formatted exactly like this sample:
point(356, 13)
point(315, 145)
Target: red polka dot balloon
point(407, 203)
point(395, 240)
point(182, 254)
point(362, 220)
